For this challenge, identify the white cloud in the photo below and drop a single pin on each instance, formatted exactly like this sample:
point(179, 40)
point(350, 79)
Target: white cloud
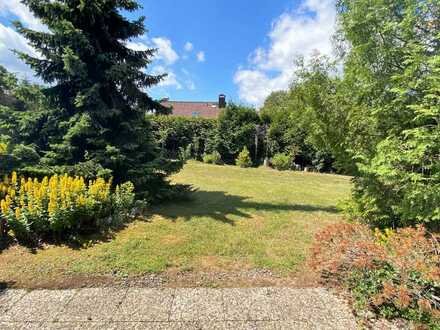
point(299, 33)
point(171, 78)
point(19, 10)
point(188, 46)
point(9, 40)
point(165, 50)
point(201, 56)
point(138, 46)
point(183, 80)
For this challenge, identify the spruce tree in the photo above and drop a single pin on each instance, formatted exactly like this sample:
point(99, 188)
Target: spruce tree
point(23, 124)
point(97, 83)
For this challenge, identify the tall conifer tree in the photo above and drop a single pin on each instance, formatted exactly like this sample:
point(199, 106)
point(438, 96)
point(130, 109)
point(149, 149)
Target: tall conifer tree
point(98, 85)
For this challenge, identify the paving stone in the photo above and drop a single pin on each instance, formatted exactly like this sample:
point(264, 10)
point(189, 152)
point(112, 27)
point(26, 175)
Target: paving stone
point(297, 325)
point(167, 326)
point(20, 325)
point(257, 304)
point(113, 308)
point(241, 325)
point(93, 305)
point(38, 306)
point(197, 305)
point(314, 309)
point(8, 298)
point(145, 305)
point(312, 325)
point(80, 326)
point(297, 302)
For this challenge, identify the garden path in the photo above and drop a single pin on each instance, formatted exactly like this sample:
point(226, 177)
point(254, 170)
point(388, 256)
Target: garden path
point(197, 308)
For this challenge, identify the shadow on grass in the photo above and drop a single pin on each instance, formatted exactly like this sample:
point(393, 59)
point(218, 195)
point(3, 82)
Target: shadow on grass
point(75, 242)
point(217, 205)
point(222, 207)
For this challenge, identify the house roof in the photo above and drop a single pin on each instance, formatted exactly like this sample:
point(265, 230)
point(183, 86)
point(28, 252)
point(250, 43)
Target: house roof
point(193, 109)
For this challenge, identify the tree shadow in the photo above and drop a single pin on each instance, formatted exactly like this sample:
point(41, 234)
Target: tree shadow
point(218, 205)
point(78, 241)
point(4, 286)
point(223, 207)
point(5, 243)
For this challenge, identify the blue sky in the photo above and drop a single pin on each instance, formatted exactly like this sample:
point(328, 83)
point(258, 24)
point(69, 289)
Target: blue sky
point(243, 48)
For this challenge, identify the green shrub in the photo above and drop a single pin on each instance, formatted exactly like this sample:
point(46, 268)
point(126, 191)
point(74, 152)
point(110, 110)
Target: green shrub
point(282, 162)
point(213, 158)
point(176, 134)
point(244, 158)
point(62, 206)
point(237, 126)
point(394, 273)
point(185, 153)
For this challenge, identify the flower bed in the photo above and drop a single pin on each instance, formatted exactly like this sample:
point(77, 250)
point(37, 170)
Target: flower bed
point(394, 273)
point(60, 205)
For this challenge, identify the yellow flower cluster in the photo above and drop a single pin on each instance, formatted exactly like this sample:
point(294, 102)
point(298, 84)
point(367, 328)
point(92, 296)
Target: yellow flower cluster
point(36, 198)
point(383, 236)
point(8, 185)
point(3, 148)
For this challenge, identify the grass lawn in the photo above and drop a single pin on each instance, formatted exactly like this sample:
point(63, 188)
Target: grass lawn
point(239, 219)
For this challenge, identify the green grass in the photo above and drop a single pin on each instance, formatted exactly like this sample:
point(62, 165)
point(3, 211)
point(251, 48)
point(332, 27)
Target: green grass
point(239, 218)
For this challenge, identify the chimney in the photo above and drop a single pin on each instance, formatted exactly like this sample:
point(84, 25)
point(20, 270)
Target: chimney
point(222, 101)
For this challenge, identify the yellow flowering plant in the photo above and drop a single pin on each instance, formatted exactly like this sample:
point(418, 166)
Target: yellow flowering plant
point(3, 148)
point(61, 205)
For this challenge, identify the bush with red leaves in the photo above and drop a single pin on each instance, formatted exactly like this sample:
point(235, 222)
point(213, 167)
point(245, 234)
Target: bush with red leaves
point(396, 273)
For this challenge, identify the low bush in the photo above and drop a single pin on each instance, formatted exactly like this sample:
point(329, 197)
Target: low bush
point(282, 162)
point(394, 273)
point(244, 158)
point(61, 206)
point(185, 153)
point(213, 158)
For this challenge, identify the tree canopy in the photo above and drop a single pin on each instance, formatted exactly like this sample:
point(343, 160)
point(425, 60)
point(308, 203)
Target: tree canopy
point(97, 89)
point(376, 112)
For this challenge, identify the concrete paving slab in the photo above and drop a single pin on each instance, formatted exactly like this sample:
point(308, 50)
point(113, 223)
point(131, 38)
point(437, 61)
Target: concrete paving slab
point(256, 304)
point(115, 308)
point(99, 304)
point(241, 325)
point(20, 325)
point(316, 307)
point(167, 326)
point(38, 306)
point(145, 305)
point(197, 305)
point(80, 326)
point(8, 298)
point(303, 303)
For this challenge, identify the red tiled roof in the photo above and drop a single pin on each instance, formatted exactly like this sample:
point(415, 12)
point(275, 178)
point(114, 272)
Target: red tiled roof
point(193, 109)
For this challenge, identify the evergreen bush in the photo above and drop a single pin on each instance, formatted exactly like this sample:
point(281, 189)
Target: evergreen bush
point(213, 158)
point(282, 161)
point(244, 158)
